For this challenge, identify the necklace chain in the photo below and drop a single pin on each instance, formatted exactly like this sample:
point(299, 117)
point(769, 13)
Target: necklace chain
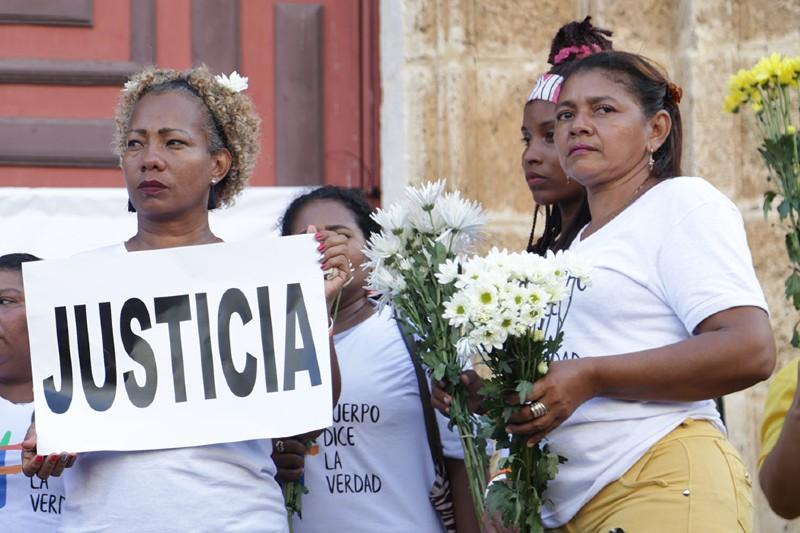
point(593, 226)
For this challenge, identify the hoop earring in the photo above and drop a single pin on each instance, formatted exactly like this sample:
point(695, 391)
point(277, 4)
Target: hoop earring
point(131, 209)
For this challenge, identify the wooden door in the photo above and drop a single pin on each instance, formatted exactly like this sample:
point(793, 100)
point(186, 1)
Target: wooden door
point(313, 70)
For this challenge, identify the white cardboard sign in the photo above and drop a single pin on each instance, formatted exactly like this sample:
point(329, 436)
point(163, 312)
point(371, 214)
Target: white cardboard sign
point(178, 347)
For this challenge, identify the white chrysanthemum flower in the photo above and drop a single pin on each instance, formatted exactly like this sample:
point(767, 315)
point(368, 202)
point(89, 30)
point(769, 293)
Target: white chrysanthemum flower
point(234, 83)
point(490, 336)
point(557, 292)
point(508, 321)
point(392, 219)
point(483, 294)
point(465, 350)
point(130, 85)
point(461, 215)
point(537, 296)
point(382, 246)
point(516, 296)
point(424, 196)
point(456, 310)
point(448, 271)
point(577, 266)
point(386, 281)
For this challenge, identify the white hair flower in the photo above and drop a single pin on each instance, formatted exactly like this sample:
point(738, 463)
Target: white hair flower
point(130, 85)
point(234, 83)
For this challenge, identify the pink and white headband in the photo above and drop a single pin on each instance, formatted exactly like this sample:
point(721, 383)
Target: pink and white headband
point(547, 88)
point(579, 51)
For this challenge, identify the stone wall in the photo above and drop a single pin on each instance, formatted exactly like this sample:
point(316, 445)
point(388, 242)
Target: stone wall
point(455, 76)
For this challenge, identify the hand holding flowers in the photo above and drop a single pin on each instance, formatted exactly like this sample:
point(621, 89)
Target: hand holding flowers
point(412, 264)
point(510, 309)
point(563, 389)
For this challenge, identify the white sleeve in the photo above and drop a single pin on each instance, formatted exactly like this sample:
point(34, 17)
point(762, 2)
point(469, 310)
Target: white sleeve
point(704, 264)
point(451, 439)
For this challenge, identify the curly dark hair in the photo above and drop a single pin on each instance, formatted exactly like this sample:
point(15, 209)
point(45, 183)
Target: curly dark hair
point(232, 121)
point(352, 199)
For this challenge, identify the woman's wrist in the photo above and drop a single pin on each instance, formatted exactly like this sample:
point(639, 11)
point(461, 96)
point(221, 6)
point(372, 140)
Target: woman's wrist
point(594, 377)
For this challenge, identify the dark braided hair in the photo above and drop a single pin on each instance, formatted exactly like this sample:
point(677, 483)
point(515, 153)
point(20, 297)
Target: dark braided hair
point(352, 199)
point(553, 238)
point(572, 34)
point(577, 34)
point(13, 262)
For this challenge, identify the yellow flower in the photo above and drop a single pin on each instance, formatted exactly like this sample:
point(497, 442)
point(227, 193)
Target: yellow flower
point(732, 103)
point(742, 81)
point(764, 81)
point(767, 69)
point(791, 130)
point(786, 72)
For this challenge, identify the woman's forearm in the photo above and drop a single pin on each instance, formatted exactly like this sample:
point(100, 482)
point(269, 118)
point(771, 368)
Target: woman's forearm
point(733, 350)
point(466, 521)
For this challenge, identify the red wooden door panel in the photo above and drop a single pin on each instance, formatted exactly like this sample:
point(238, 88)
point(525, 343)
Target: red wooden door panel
point(312, 69)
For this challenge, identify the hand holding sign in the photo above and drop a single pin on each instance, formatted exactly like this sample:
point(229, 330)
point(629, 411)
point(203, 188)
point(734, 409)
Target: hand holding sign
point(153, 345)
point(40, 465)
point(333, 247)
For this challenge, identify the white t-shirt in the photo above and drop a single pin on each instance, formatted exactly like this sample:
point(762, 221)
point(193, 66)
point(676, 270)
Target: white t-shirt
point(27, 505)
point(219, 487)
point(673, 258)
point(374, 468)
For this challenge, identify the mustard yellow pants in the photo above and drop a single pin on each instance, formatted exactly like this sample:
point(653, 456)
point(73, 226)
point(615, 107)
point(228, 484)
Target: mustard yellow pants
point(692, 480)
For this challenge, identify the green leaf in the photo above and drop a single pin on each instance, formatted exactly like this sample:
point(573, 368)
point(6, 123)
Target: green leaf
point(793, 288)
point(769, 196)
point(796, 336)
point(438, 372)
point(503, 501)
point(793, 247)
point(524, 388)
point(783, 208)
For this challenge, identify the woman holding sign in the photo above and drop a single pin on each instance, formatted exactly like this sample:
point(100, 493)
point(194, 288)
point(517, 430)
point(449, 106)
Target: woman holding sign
point(187, 143)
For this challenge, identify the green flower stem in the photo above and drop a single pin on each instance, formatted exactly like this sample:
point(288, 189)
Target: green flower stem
point(475, 460)
point(293, 497)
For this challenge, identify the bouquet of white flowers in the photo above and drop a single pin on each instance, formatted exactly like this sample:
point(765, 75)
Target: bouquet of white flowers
point(510, 309)
point(421, 235)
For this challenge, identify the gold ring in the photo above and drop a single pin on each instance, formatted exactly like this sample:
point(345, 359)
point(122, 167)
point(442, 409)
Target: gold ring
point(538, 409)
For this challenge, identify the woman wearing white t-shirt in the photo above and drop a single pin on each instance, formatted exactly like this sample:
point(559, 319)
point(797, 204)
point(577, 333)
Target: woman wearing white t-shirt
point(187, 143)
point(374, 469)
point(674, 317)
point(29, 505)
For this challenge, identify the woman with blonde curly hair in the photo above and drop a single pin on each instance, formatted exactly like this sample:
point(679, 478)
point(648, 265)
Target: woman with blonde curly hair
point(187, 143)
